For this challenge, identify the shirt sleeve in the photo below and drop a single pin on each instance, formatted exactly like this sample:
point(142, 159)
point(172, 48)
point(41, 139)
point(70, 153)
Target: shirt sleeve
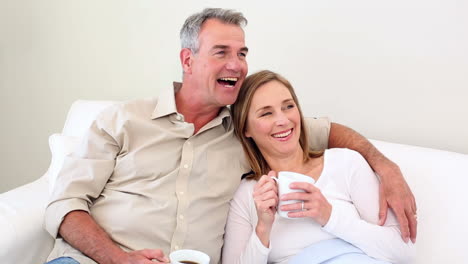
point(357, 222)
point(84, 173)
point(319, 130)
point(241, 243)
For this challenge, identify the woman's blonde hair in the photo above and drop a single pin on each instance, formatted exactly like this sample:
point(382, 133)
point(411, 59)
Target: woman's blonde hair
point(240, 110)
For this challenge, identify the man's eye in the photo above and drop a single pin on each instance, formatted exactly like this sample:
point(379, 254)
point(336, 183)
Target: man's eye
point(222, 52)
point(243, 54)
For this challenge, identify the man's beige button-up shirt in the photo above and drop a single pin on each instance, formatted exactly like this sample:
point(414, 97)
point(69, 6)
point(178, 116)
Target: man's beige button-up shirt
point(149, 182)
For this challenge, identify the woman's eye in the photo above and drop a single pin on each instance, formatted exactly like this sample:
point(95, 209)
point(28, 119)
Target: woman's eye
point(265, 114)
point(289, 106)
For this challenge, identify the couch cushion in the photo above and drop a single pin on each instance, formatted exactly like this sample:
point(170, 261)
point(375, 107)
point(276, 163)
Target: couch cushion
point(60, 146)
point(81, 114)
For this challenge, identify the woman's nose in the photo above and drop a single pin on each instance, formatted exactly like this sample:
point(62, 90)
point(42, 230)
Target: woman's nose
point(282, 120)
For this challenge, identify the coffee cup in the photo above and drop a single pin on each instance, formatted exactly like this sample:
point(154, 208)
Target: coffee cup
point(189, 256)
point(284, 179)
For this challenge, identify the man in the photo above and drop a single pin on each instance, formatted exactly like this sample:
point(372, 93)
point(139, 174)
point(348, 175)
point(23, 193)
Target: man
point(156, 175)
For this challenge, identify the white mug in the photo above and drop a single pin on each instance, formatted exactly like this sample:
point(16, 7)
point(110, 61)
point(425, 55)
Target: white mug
point(284, 179)
point(189, 256)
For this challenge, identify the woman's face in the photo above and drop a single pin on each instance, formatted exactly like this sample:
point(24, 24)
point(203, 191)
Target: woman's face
point(273, 120)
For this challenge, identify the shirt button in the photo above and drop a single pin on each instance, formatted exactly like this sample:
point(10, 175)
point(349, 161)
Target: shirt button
point(188, 143)
point(181, 193)
point(178, 117)
point(181, 217)
point(176, 247)
point(185, 166)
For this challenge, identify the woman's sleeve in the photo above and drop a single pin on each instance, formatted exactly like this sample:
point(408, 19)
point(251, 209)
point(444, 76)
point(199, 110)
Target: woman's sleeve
point(357, 223)
point(241, 244)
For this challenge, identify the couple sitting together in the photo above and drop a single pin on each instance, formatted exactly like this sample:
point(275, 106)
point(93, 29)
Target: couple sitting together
point(157, 175)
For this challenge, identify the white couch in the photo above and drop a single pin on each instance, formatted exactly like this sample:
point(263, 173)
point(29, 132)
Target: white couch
point(439, 180)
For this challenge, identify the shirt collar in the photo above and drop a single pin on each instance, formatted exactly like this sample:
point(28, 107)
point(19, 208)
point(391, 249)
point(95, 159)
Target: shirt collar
point(166, 103)
point(166, 106)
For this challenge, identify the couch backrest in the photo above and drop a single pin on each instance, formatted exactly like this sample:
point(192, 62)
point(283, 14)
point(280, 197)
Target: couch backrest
point(81, 115)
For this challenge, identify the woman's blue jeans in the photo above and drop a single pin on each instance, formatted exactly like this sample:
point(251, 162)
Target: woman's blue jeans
point(63, 260)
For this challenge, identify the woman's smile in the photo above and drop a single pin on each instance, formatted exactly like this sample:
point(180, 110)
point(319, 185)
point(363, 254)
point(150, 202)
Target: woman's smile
point(283, 135)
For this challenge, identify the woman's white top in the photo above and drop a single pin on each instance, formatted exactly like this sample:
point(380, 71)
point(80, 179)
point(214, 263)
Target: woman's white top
point(351, 187)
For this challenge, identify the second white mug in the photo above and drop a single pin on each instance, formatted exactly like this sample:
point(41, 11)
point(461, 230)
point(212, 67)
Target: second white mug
point(186, 256)
point(284, 179)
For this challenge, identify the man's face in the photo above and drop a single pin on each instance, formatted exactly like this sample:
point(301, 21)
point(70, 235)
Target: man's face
point(220, 66)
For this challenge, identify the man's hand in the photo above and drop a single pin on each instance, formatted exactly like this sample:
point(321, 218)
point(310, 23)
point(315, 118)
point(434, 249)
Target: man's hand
point(395, 192)
point(146, 256)
point(81, 231)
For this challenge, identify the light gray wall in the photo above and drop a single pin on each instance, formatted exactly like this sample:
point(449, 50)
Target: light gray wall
point(393, 70)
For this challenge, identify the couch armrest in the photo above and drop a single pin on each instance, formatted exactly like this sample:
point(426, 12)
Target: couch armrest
point(438, 180)
point(23, 239)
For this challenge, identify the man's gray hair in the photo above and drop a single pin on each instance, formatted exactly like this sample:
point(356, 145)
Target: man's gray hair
point(191, 28)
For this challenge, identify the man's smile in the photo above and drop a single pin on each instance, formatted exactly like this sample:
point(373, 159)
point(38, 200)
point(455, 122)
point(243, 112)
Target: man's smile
point(228, 81)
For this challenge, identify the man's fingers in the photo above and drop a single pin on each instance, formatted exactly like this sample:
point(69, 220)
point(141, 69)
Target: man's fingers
point(155, 254)
point(403, 221)
point(383, 206)
point(413, 225)
point(415, 206)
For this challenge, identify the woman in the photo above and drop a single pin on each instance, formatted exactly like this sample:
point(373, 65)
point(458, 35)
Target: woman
point(343, 202)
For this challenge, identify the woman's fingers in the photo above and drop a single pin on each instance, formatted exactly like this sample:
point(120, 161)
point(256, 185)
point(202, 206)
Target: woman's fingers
point(305, 186)
point(266, 205)
point(310, 203)
point(264, 185)
point(319, 210)
point(310, 191)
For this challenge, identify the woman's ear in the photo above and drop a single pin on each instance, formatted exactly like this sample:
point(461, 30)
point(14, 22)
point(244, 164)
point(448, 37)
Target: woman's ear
point(186, 60)
point(247, 134)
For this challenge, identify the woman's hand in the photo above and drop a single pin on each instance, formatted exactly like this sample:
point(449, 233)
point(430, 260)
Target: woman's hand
point(315, 205)
point(265, 196)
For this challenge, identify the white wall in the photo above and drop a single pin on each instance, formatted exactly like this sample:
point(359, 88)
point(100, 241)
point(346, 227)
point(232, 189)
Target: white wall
point(392, 70)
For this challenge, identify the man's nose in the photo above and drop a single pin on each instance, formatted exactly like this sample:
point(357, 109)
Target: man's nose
point(235, 64)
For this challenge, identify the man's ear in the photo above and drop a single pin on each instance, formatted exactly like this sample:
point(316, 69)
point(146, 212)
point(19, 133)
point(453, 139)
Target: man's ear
point(186, 60)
